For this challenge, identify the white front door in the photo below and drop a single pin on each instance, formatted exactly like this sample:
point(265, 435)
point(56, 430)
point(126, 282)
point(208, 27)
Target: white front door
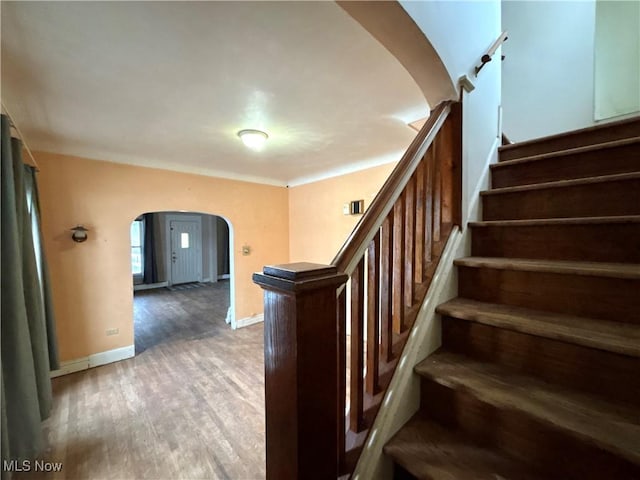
point(186, 255)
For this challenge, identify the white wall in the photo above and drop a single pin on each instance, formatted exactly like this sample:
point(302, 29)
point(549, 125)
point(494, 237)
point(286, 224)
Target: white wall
point(617, 58)
point(547, 76)
point(461, 32)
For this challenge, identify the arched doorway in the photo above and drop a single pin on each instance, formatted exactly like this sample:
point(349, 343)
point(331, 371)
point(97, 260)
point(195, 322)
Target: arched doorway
point(182, 273)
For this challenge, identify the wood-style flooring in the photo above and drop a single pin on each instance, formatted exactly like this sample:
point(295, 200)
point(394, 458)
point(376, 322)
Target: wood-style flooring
point(189, 406)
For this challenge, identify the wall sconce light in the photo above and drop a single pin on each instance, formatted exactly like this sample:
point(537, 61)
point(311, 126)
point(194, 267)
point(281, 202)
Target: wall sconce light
point(79, 234)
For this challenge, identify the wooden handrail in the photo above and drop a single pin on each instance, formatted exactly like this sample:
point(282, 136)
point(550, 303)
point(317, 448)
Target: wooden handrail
point(486, 58)
point(370, 222)
point(396, 247)
point(387, 265)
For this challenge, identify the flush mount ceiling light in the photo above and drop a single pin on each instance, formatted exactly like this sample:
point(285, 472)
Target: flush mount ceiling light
point(254, 139)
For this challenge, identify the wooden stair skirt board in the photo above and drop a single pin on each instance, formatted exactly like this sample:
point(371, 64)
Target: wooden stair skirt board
point(538, 375)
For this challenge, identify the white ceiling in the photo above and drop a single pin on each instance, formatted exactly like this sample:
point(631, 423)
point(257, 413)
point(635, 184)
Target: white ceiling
point(169, 84)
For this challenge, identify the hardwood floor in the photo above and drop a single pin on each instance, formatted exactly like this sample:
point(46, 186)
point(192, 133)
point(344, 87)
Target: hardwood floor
point(189, 406)
point(186, 312)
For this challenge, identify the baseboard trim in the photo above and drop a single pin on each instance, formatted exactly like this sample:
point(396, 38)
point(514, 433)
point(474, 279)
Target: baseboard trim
point(94, 360)
point(245, 322)
point(149, 286)
point(71, 366)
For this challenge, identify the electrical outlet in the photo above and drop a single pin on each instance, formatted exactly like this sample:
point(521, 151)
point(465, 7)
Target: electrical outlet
point(112, 331)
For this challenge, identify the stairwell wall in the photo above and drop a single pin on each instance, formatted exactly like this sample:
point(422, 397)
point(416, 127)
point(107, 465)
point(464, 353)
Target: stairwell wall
point(548, 76)
point(462, 32)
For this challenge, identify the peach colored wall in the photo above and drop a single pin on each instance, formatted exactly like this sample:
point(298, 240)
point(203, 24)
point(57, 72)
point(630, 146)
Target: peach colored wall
point(317, 226)
point(91, 281)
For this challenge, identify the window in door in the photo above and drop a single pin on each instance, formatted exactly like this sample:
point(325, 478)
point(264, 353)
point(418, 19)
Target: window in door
point(137, 258)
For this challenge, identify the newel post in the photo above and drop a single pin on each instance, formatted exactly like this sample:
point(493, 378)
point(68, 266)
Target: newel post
point(301, 378)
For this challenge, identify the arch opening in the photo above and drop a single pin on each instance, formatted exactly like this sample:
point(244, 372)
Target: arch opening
point(182, 272)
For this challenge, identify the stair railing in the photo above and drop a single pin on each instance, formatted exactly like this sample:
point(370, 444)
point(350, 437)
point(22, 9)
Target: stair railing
point(333, 333)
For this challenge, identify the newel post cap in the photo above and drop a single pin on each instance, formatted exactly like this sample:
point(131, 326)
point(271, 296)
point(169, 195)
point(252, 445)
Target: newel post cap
point(299, 277)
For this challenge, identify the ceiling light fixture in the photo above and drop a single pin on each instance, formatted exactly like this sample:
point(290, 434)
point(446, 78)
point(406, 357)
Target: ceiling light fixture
point(253, 139)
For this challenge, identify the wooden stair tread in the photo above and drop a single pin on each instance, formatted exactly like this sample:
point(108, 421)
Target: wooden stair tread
point(557, 221)
point(612, 427)
point(618, 337)
point(597, 269)
point(429, 451)
point(569, 151)
point(590, 129)
point(563, 183)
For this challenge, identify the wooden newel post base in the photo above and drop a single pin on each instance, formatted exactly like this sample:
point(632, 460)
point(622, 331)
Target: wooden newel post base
point(301, 378)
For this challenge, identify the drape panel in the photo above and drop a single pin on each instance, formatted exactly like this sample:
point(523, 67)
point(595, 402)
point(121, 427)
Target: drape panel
point(149, 249)
point(27, 324)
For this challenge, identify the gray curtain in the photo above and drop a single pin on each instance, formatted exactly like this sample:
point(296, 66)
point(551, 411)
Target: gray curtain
point(149, 249)
point(27, 324)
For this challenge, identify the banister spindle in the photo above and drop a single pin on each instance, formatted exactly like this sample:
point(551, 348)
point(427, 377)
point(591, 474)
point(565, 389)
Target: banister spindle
point(420, 230)
point(356, 402)
point(373, 314)
point(398, 265)
point(429, 159)
point(437, 192)
point(446, 171)
point(386, 294)
point(409, 240)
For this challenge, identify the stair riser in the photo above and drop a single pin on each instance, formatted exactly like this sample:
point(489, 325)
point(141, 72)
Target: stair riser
point(619, 197)
point(613, 242)
point(551, 360)
point(532, 440)
point(621, 159)
point(581, 295)
point(400, 473)
point(574, 140)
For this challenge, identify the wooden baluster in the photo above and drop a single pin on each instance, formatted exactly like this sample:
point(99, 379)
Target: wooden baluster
point(386, 291)
point(420, 227)
point(446, 162)
point(300, 364)
point(356, 403)
point(373, 315)
point(437, 191)
point(428, 206)
point(342, 376)
point(398, 265)
point(456, 168)
point(409, 240)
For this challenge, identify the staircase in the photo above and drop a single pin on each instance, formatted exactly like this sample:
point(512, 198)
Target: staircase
point(538, 375)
